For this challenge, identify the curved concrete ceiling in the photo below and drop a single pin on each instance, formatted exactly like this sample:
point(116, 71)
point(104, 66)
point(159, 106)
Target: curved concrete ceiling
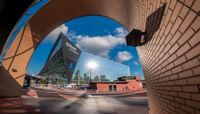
point(56, 12)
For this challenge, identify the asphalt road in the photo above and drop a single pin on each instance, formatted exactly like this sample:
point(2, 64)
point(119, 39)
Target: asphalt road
point(63, 103)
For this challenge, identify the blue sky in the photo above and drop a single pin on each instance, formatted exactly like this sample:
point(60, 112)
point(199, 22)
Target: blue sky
point(98, 35)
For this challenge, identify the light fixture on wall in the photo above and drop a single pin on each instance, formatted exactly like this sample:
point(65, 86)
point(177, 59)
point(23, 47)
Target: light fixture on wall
point(136, 38)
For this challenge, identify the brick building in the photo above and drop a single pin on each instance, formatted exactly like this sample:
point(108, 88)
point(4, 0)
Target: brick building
point(125, 83)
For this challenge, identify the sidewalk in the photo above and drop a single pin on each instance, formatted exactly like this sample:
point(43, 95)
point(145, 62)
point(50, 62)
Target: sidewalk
point(17, 106)
point(26, 104)
point(121, 94)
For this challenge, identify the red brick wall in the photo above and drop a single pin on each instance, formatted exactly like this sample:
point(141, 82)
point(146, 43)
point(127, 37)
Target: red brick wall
point(171, 60)
point(121, 87)
point(103, 87)
point(134, 85)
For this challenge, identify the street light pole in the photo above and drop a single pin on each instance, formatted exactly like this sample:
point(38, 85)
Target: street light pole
point(90, 74)
point(91, 65)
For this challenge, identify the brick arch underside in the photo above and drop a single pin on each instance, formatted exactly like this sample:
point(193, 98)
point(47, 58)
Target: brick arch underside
point(52, 15)
point(171, 60)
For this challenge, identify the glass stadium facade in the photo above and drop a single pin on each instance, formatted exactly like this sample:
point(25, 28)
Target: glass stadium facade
point(60, 66)
point(105, 70)
point(67, 64)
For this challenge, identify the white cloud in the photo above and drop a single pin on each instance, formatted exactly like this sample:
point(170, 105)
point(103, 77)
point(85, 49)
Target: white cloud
point(98, 45)
point(101, 45)
point(54, 34)
point(121, 32)
point(124, 56)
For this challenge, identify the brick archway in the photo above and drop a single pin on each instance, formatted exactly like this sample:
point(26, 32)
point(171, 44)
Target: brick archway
point(171, 60)
point(52, 15)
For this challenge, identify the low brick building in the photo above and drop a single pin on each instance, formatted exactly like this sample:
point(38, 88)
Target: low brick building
point(125, 83)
